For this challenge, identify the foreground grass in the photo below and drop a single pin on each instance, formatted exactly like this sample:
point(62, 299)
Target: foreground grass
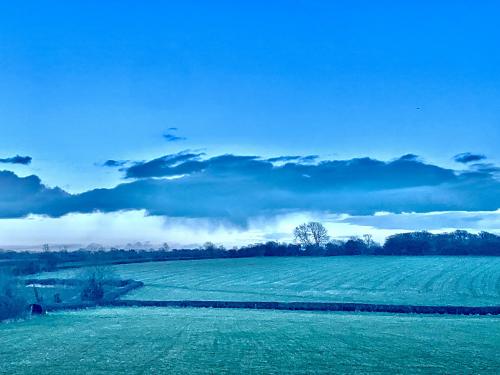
point(212, 341)
point(393, 280)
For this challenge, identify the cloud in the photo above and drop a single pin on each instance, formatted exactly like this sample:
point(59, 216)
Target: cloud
point(308, 158)
point(485, 168)
point(20, 196)
point(236, 188)
point(165, 166)
point(119, 228)
point(468, 157)
point(122, 227)
point(478, 220)
point(361, 173)
point(300, 159)
point(25, 160)
point(114, 163)
point(283, 159)
point(173, 138)
point(409, 157)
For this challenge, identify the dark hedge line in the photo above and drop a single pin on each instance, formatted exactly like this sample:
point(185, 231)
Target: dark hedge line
point(414, 243)
point(304, 306)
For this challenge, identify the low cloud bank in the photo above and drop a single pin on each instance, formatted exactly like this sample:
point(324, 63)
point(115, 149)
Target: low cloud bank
point(133, 227)
point(235, 188)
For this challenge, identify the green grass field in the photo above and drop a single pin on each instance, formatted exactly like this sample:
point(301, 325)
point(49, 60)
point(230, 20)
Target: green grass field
point(394, 280)
point(220, 341)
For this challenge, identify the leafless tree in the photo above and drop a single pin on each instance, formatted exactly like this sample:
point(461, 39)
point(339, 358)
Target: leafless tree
point(311, 234)
point(368, 239)
point(302, 235)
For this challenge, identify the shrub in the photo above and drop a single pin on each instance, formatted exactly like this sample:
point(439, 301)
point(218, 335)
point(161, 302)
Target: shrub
point(12, 306)
point(93, 290)
point(95, 278)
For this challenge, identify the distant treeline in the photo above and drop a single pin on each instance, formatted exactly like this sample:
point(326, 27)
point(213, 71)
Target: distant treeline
point(414, 243)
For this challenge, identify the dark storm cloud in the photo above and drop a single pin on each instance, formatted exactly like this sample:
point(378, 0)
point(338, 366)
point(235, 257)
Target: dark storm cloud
point(354, 173)
point(20, 196)
point(238, 187)
point(25, 160)
point(165, 166)
point(468, 157)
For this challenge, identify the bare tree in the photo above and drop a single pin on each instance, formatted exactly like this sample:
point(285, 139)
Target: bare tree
point(302, 235)
point(311, 234)
point(368, 240)
point(319, 233)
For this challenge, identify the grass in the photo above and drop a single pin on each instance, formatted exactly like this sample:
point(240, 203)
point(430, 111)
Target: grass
point(212, 341)
point(225, 341)
point(47, 293)
point(466, 281)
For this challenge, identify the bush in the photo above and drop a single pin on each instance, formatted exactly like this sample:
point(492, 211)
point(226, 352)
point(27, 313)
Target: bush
point(93, 290)
point(12, 306)
point(95, 278)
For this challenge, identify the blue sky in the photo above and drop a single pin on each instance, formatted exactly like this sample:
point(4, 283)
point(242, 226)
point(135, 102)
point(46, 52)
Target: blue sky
point(86, 82)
